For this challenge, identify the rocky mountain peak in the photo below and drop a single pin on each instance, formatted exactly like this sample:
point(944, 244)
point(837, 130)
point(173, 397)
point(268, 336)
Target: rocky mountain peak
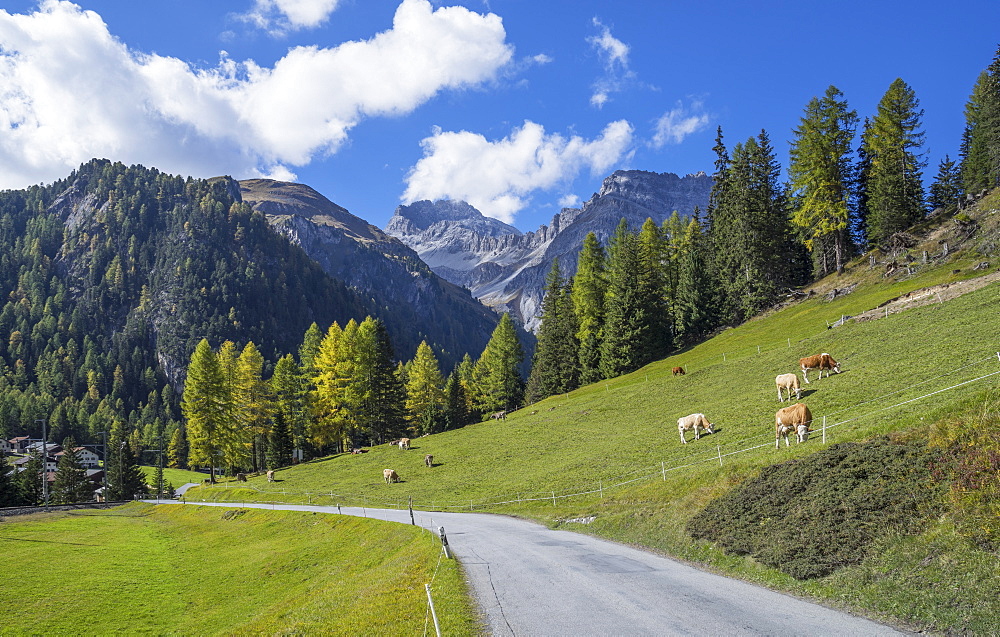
point(424, 215)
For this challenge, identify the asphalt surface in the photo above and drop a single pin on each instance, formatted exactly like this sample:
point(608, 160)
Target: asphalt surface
point(531, 580)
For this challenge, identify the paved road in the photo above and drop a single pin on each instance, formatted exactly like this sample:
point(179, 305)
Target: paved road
point(531, 580)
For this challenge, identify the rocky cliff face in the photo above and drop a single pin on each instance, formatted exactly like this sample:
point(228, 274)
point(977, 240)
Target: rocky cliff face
point(380, 267)
point(505, 268)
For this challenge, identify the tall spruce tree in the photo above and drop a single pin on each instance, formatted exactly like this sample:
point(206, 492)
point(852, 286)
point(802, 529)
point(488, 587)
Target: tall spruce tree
point(29, 480)
point(820, 171)
point(946, 191)
point(653, 290)
point(381, 402)
point(496, 378)
point(456, 402)
point(750, 230)
point(10, 495)
point(980, 157)
point(71, 484)
point(291, 396)
point(627, 331)
point(125, 479)
point(895, 185)
point(862, 175)
point(697, 290)
point(279, 443)
point(555, 367)
point(589, 288)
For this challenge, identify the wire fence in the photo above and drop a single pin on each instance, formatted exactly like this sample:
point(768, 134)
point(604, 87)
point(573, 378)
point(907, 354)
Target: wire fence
point(722, 451)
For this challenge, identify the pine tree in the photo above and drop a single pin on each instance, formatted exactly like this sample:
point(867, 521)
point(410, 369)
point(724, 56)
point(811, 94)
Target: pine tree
point(697, 290)
point(10, 494)
point(946, 191)
point(71, 484)
point(820, 172)
point(125, 479)
point(652, 248)
point(589, 287)
point(381, 402)
point(862, 176)
point(425, 392)
point(627, 331)
point(290, 391)
point(750, 230)
point(29, 480)
point(895, 186)
point(177, 449)
point(279, 443)
point(555, 365)
point(204, 405)
point(253, 403)
point(456, 403)
point(496, 377)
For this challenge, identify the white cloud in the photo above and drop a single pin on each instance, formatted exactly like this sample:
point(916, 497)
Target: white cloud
point(499, 177)
point(676, 124)
point(614, 56)
point(279, 16)
point(569, 201)
point(70, 91)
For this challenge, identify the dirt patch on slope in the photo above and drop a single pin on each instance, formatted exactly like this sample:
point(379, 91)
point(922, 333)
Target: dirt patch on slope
point(926, 296)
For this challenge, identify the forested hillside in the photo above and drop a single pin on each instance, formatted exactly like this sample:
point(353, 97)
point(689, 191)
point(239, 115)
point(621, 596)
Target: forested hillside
point(111, 276)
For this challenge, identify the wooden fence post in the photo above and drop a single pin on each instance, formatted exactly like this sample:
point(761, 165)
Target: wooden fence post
point(663, 468)
point(824, 430)
point(720, 454)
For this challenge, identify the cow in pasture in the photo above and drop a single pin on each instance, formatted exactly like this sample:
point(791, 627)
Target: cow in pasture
point(677, 371)
point(270, 475)
point(788, 420)
point(404, 443)
point(429, 460)
point(500, 415)
point(790, 383)
point(241, 477)
point(390, 475)
point(696, 422)
point(822, 362)
point(393, 443)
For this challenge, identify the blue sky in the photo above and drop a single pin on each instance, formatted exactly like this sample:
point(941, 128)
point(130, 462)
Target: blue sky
point(518, 106)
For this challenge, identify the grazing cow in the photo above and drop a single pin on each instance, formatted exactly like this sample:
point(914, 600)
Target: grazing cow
point(822, 362)
point(500, 415)
point(404, 443)
point(794, 419)
point(696, 422)
point(241, 477)
point(790, 383)
point(390, 475)
point(678, 371)
point(270, 475)
point(429, 460)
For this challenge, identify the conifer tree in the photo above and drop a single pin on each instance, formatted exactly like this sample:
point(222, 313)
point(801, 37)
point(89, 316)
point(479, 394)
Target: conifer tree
point(589, 287)
point(334, 369)
point(125, 479)
point(946, 191)
point(177, 449)
point(627, 332)
point(820, 172)
point(750, 230)
point(29, 480)
point(425, 400)
point(862, 175)
point(204, 404)
point(10, 495)
point(496, 377)
point(279, 443)
point(895, 186)
point(652, 249)
point(555, 365)
point(290, 391)
point(71, 484)
point(980, 156)
point(381, 397)
point(456, 403)
point(697, 290)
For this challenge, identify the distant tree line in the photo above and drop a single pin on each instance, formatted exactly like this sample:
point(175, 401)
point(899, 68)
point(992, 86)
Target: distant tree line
point(345, 391)
point(657, 288)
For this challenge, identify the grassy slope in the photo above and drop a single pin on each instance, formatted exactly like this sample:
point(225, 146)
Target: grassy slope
point(250, 572)
point(176, 477)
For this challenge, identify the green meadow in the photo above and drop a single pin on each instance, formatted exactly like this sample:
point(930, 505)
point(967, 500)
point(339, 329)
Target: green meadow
point(172, 569)
point(611, 451)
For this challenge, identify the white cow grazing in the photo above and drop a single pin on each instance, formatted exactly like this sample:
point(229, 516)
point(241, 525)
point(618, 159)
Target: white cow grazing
point(696, 422)
point(790, 383)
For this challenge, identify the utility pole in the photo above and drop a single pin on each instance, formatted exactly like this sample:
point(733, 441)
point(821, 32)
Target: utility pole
point(45, 461)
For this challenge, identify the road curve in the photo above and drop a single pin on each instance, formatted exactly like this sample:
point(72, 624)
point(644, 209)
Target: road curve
point(531, 580)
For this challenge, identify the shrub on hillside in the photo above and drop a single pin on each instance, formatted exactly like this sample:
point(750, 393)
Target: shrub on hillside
point(969, 464)
point(811, 516)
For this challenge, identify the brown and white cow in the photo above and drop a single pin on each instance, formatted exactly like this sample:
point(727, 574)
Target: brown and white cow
point(677, 371)
point(404, 443)
point(429, 460)
point(822, 362)
point(794, 419)
point(500, 415)
point(241, 477)
point(696, 422)
point(790, 383)
point(270, 475)
point(390, 475)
